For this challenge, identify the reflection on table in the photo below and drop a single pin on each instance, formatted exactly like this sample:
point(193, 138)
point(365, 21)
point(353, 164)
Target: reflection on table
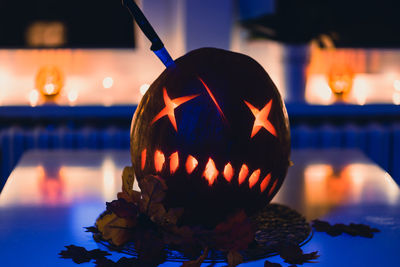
point(321, 180)
point(52, 195)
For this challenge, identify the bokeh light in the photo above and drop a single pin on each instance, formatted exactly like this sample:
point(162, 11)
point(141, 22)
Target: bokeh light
point(108, 82)
point(144, 88)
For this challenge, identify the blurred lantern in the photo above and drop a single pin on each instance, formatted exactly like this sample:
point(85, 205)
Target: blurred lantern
point(46, 34)
point(49, 81)
point(340, 80)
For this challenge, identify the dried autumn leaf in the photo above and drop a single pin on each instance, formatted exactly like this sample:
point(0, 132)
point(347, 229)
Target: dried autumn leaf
point(115, 229)
point(340, 228)
point(80, 255)
point(150, 247)
point(104, 262)
point(236, 233)
point(128, 177)
point(128, 262)
point(77, 254)
point(362, 230)
point(197, 262)
point(271, 264)
point(178, 235)
point(173, 215)
point(152, 194)
point(131, 197)
point(98, 253)
point(122, 262)
point(91, 229)
point(293, 254)
point(234, 258)
point(123, 209)
point(321, 226)
point(152, 189)
point(156, 212)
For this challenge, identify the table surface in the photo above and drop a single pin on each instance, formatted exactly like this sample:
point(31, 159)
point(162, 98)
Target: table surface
point(52, 195)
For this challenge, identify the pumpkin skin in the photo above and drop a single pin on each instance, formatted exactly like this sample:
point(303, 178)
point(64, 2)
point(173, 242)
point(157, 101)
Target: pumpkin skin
point(224, 91)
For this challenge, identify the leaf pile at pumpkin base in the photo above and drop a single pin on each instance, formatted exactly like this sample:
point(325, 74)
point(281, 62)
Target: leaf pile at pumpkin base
point(142, 220)
point(234, 237)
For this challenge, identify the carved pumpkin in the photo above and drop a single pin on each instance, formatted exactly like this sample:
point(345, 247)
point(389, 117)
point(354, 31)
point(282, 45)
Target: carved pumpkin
point(216, 130)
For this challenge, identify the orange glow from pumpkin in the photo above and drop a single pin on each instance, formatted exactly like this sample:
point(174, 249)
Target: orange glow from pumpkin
point(228, 172)
point(244, 171)
point(191, 164)
point(143, 158)
point(159, 160)
point(170, 106)
point(254, 178)
point(265, 182)
point(173, 162)
point(261, 118)
point(212, 98)
point(273, 187)
point(210, 172)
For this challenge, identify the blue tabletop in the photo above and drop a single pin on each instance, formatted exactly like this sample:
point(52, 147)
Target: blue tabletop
point(52, 195)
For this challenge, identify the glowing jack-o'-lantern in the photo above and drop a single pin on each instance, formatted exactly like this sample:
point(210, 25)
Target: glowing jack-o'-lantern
point(340, 80)
point(49, 81)
point(216, 130)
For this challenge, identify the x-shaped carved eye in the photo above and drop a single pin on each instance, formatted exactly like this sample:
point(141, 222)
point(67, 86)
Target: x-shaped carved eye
point(170, 106)
point(261, 118)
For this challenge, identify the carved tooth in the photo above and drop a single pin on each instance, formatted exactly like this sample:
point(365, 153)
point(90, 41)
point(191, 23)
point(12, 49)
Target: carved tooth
point(159, 160)
point(210, 172)
point(244, 171)
point(254, 178)
point(265, 182)
point(173, 162)
point(273, 187)
point(228, 172)
point(191, 164)
point(143, 158)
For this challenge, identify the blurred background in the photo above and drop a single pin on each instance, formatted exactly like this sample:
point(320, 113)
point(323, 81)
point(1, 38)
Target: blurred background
point(72, 72)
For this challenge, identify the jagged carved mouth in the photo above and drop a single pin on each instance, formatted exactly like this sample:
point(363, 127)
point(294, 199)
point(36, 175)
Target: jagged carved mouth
point(210, 172)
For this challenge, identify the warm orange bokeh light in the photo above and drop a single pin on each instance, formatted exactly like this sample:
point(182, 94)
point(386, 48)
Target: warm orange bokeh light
point(212, 98)
point(51, 189)
point(49, 81)
point(159, 160)
point(228, 172)
point(143, 158)
point(210, 172)
point(261, 118)
point(325, 186)
point(173, 162)
point(265, 182)
point(170, 106)
point(340, 80)
point(254, 178)
point(191, 164)
point(244, 171)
